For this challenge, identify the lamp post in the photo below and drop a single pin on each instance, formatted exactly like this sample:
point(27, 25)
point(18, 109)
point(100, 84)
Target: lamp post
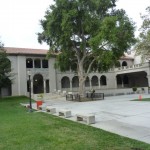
point(29, 74)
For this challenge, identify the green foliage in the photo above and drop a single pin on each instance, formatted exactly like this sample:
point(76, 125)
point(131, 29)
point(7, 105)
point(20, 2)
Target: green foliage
point(143, 42)
point(87, 29)
point(90, 35)
point(5, 68)
point(134, 89)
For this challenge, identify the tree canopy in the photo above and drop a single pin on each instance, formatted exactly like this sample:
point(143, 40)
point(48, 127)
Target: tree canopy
point(143, 44)
point(4, 68)
point(90, 35)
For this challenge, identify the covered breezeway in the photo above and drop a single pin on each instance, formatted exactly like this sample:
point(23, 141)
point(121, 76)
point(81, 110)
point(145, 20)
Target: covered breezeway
point(129, 80)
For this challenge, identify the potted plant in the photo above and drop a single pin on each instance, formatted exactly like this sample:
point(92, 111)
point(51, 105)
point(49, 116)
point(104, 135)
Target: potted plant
point(143, 90)
point(40, 97)
point(134, 89)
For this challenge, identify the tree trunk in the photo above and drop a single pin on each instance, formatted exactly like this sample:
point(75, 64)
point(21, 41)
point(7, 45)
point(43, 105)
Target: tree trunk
point(81, 76)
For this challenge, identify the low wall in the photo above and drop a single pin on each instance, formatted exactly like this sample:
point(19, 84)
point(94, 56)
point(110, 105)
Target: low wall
point(123, 91)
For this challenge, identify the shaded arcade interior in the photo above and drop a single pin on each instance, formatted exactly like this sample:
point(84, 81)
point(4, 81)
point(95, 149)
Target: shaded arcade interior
point(129, 80)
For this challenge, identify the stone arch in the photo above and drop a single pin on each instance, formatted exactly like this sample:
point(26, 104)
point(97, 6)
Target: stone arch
point(124, 63)
point(29, 63)
point(65, 82)
point(75, 81)
point(38, 84)
point(94, 81)
point(103, 80)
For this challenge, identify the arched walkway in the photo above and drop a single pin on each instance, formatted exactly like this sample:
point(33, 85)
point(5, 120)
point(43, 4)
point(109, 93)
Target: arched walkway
point(124, 63)
point(103, 80)
point(94, 81)
point(38, 84)
point(75, 81)
point(126, 81)
point(65, 82)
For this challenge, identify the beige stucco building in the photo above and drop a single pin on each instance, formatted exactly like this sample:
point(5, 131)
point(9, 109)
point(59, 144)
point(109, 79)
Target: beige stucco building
point(46, 79)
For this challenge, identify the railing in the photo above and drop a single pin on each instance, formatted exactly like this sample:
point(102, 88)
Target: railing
point(90, 96)
point(71, 97)
point(94, 96)
point(128, 67)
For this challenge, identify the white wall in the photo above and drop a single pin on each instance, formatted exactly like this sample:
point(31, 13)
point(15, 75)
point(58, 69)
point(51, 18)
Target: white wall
point(18, 66)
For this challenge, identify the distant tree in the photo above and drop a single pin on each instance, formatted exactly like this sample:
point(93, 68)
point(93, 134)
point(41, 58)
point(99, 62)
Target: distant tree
point(90, 35)
point(5, 68)
point(143, 44)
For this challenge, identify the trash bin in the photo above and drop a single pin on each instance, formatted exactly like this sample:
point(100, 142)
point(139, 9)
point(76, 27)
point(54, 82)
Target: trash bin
point(39, 103)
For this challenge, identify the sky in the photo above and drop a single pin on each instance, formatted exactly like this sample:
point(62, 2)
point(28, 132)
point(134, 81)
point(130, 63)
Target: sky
point(20, 20)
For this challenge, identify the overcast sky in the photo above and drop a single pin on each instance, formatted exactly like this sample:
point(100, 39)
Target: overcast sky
point(19, 19)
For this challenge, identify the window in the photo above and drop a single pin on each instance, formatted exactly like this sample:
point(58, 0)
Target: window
point(37, 63)
point(44, 63)
point(29, 63)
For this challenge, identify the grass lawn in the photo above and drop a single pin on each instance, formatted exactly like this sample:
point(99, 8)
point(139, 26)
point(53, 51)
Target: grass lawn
point(21, 130)
point(143, 99)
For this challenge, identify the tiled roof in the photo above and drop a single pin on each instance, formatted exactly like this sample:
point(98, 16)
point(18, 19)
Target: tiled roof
point(126, 58)
point(31, 51)
point(25, 51)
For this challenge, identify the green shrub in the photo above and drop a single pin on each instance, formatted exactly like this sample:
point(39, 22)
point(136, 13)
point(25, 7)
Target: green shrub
point(134, 89)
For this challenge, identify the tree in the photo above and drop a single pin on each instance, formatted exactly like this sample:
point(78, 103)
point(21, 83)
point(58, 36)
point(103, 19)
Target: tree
point(4, 68)
point(89, 35)
point(143, 44)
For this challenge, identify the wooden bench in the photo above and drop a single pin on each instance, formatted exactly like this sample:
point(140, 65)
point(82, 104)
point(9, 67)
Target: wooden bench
point(66, 113)
point(51, 109)
point(90, 118)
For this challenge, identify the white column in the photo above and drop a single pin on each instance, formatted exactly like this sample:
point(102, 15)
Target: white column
point(148, 77)
point(99, 83)
point(115, 83)
point(41, 63)
point(90, 83)
point(44, 83)
point(70, 85)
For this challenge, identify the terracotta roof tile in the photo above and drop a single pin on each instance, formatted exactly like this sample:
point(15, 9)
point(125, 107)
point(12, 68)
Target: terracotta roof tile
point(12, 50)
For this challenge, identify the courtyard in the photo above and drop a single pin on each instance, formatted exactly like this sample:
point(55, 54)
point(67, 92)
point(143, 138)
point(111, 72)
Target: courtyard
point(21, 129)
point(117, 114)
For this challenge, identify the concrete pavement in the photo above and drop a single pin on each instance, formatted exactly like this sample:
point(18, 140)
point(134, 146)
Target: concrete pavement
point(116, 114)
